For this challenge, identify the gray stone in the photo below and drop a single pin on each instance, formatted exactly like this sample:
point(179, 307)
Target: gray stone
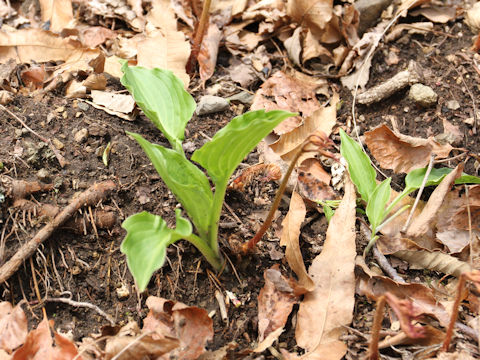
point(81, 135)
point(453, 104)
point(82, 106)
point(209, 104)
point(244, 97)
point(370, 11)
point(423, 95)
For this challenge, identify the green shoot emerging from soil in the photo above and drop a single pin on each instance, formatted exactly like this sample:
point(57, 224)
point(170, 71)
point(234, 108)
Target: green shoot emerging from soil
point(161, 96)
point(376, 196)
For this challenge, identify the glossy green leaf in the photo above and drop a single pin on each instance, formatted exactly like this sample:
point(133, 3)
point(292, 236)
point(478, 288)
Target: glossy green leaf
point(377, 203)
point(230, 145)
point(187, 182)
point(146, 242)
point(414, 178)
point(360, 168)
point(161, 96)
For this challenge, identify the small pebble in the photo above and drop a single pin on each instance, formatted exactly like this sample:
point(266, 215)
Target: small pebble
point(43, 174)
point(423, 95)
point(6, 97)
point(58, 144)
point(122, 292)
point(453, 104)
point(81, 135)
point(83, 106)
point(60, 109)
point(209, 104)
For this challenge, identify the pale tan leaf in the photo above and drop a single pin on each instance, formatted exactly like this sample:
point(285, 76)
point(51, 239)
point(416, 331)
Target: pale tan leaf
point(165, 47)
point(433, 260)
point(324, 311)
point(402, 153)
point(13, 326)
point(312, 14)
point(424, 222)
point(207, 57)
point(290, 238)
point(294, 47)
point(322, 119)
point(313, 49)
point(58, 12)
point(314, 181)
point(438, 14)
point(138, 347)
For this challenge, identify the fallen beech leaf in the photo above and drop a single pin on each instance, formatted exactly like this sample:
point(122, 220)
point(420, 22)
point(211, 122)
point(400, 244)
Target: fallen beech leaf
point(313, 181)
point(293, 46)
point(457, 355)
point(322, 119)
point(189, 324)
point(58, 12)
point(121, 105)
point(424, 222)
point(42, 46)
point(207, 57)
point(275, 303)
point(290, 239)
point(312, 49)
point(313, 14)
point(402, 153)
point(289, 93)
point(454, 240)
point(438, 14)
point(34, 77)
point(39, 345)
point(94, 36)
point(433, 260)
point(165, 47)
point(414, 28)
point(13, 326)
point(324, 311)
point(423, 300)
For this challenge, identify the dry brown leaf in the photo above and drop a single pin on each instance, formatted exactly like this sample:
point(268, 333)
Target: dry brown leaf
point(40, 345)
point(402, 153)
point(207, 57)
point(438, 14)
point(423, 299)
point(423, 223)
point(322, 119)
point(415, 28)
point(241, 73)
point(314, 181)
point(258, 172)
point(13, 326)
point(42, 46)
point(312, 49)
point(433, 260)
point(275, 303)
point(289, 93)
point(313, 14)
point(58, 12)
point(121, 105)
point(164, 47)
point(290, 239)
point(189, 324)
point(94, 36)
point(325, 311)
point(293, 46)
point(34, 77)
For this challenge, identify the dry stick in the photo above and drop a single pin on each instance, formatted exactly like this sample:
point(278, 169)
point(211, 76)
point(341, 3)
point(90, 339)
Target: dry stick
point(385, 265)
point(420, 191)
point(91, 196)
point(197, 40)
point(59, 157)
point(83, 304)
point(377, 326)
point(453, 318)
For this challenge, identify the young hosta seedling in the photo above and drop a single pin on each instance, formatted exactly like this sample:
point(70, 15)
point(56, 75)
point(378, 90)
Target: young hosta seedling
point(161, 96)
point(376, 195)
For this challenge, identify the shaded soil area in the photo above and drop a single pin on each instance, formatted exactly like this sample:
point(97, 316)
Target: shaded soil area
point(88, 266)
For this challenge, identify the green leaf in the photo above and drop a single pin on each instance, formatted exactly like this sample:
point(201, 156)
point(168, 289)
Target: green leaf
point(161, 96)
point(187, 182)
point(414, 178)
point(360, 168)
point(328, 211)
point(146, 242)
point(376, 206)
point(229, 146)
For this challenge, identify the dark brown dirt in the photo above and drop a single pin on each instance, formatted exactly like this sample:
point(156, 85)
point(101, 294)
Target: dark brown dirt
point(92, 268)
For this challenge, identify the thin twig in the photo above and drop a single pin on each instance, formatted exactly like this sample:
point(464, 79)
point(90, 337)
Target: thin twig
point(91, 196)
point(420, 191)
point(386, 267)
point(59, 157)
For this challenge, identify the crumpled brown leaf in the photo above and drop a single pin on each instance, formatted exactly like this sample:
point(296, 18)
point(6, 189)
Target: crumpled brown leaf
point(13, 326)
point(325, 310)
point(40, 345)
point(189, 324)
point(402, 153)
point(207, 57)
point(290, 239)
point(58, 12)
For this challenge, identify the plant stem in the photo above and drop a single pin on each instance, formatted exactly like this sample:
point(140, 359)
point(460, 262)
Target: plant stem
point(377, 326)
point(197, 40)
point(276, 202)
point(212, 257)
point(453, 318)
point(216, 210)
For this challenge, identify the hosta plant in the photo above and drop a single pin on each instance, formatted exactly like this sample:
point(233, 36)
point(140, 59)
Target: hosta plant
point(161, 96)
point(376, 196)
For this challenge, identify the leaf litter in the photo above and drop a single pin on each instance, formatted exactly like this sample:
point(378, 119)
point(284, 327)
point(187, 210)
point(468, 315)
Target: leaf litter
point(318, 38)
